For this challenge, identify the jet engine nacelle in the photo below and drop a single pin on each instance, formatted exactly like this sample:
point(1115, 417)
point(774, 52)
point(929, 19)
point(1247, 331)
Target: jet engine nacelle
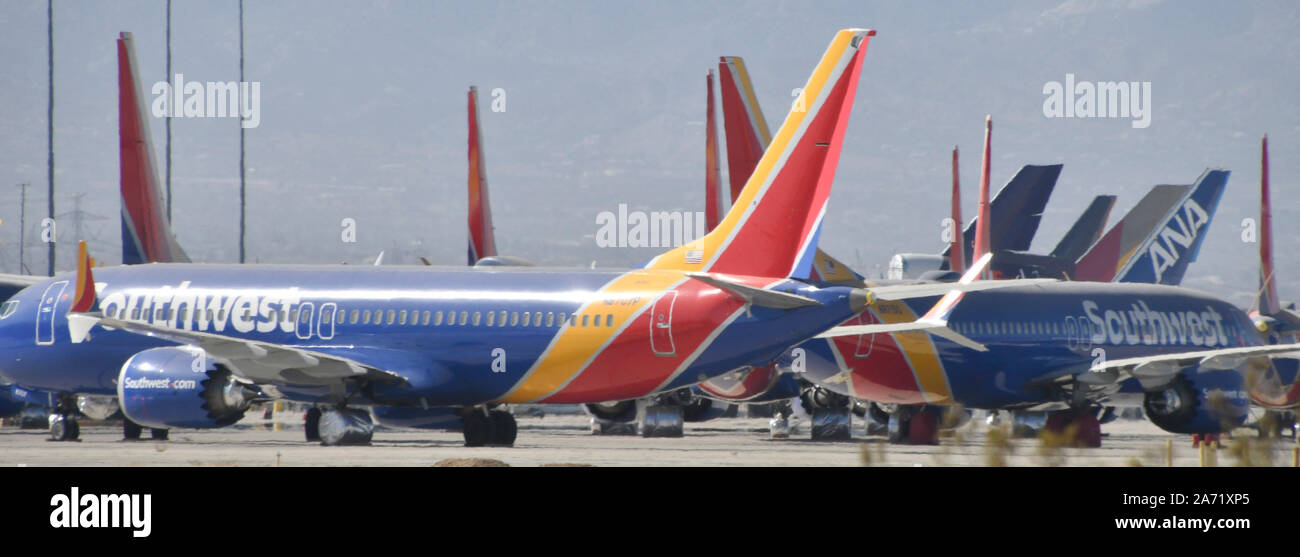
point(741, 385)
point(179, 386)
point(1199, 402)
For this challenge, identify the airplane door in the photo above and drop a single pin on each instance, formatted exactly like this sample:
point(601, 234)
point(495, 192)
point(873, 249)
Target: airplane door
point(325, 327)
point(661, 325)
point(305, 312)
point(865, 342)
point(45, 312)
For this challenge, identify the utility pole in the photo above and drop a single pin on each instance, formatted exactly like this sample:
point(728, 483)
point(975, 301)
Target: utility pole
point(50, 130)
point(22, 228)
point(241, 133)
point(169, 113)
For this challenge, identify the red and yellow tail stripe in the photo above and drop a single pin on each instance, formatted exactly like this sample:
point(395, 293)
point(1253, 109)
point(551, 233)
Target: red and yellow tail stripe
point(747, 133)
point(84, 299)
point(482, 241)
point(712, 177)
point(773, 222)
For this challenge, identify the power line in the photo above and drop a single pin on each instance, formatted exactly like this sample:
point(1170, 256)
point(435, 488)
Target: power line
point(50, 131)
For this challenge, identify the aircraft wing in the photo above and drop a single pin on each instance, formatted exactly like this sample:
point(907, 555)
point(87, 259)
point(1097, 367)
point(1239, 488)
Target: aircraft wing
point(20, 281)
point(905, 291)
point(933, 326)
point(257, 361)
point(1153, 371)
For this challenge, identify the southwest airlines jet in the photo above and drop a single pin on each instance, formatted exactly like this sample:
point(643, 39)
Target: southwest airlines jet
point(188, 345)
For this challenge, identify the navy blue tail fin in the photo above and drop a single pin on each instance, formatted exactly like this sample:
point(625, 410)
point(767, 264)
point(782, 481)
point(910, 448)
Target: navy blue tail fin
point(1087, 230)
point(1016, 210)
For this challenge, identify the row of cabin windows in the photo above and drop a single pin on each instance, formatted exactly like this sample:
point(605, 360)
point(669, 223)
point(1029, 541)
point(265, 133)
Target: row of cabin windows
point(136, 314)
point(500, 318)
point(1012, 328)
point(390, 317)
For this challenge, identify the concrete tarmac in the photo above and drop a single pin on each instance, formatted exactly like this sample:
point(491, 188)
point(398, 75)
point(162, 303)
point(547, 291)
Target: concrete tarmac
point(567, 440)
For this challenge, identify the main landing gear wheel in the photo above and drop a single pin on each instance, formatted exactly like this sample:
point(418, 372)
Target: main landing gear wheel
point(1083, 424)
point(130, 430)
point(662, 420)
point(345, 426)
point(504, 428)
point(158, 434)
point(311, 424)
point(63, 421)
point(832, 424)
point(497, 427)
point(64, 428)
point(923, 428)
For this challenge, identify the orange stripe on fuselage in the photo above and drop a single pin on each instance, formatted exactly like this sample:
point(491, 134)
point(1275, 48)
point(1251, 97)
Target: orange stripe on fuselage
point(919, 350)
point(575, 347)
point(630, 364)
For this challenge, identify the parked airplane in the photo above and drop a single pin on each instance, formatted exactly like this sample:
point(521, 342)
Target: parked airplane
point(1066, 347)
point(146, 233)
point(1276, 387)
point(185, 345)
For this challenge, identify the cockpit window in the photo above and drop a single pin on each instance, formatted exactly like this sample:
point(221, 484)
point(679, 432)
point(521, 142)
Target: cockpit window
point(8, 308)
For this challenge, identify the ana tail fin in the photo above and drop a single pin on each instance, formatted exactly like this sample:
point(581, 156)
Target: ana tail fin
point(747, 132)
point(482, 241)
point(1103, 260)
point(1085, 231)
point(713, 201)
point(1172, 244)
point(146, 233)
point(772, 229)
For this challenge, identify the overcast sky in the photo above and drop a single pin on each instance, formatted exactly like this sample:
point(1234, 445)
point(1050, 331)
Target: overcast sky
point(363, 117)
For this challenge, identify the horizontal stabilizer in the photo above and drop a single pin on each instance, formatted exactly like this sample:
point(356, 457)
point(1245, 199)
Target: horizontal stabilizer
point(756, 296)
point(906, 291)
point(934, 327)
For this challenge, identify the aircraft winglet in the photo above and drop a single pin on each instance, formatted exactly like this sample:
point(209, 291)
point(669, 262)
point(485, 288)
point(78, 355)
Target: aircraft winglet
point(80, 316)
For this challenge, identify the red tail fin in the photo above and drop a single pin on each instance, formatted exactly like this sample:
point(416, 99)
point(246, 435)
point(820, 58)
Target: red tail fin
point(712, 178)
point(146, 233)
point(771, 230)
point(482, 241)
point(1268, 303)
point(985, 220)
point(956, 255)
point(747, 133)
